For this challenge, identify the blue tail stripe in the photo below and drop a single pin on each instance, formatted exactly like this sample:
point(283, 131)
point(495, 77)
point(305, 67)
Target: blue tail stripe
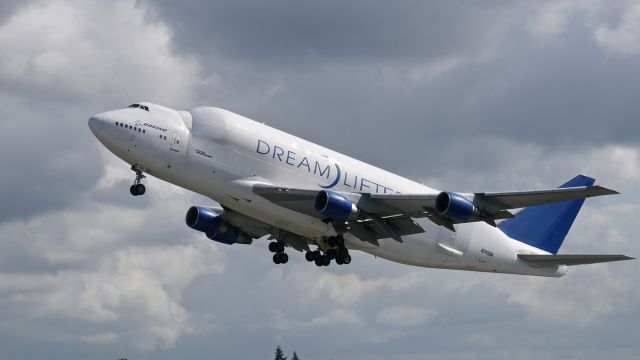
point(546, 226)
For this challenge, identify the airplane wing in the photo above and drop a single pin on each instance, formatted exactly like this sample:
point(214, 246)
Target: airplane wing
point(391, 215)
point(570, 260)
point(496, 201)
point(490, 206)
point(299, 200)
point(521, 199)
point(383, 223)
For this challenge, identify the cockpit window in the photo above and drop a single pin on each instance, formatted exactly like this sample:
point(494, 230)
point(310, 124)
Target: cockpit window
point(138, 106)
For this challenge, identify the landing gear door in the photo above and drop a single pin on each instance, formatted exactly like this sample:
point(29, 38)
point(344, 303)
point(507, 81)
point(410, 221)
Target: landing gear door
point(175, 142)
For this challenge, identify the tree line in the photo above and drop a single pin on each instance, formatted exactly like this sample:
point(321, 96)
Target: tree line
point(281, 356)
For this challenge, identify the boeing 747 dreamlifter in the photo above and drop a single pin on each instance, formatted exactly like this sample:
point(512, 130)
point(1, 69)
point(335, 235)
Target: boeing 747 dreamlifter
point(313, 199)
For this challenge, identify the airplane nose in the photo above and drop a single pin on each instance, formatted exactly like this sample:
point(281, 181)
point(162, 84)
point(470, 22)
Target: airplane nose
point(95, 124)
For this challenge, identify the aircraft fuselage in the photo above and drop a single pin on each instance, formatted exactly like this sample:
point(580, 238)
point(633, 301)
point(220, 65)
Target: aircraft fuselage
point(222, 155)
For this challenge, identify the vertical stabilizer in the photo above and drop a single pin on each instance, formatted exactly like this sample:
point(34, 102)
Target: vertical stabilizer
point(546, 226)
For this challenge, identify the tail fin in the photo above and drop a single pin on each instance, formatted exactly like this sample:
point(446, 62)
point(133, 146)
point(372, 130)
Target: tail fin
point(546, 226)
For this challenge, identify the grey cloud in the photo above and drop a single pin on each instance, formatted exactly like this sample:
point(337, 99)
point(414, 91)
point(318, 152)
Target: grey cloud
point(48, 92)
point(118, 194)
point(9, 7)
point(47, 168)
point(565, 91)
point(290, 32)
point(459, 95)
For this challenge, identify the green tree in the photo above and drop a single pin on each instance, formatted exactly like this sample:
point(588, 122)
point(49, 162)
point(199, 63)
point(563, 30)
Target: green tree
point(295, 356)
point(280, 354)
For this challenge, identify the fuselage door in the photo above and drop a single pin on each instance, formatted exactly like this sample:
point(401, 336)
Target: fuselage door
point(175, 142)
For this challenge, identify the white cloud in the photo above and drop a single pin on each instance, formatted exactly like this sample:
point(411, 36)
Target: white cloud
point(132, 296)
point(553, 17)
point(402, 316)
point(571, 301)
point(350, 288)
point(428, 72)
point(625, 38)
point(72, 275)
point(337, 317)
point(97, 283)
point(620, 163)
point(551, 21)
point(124, 272)
point(86, 49)
point(526, 165)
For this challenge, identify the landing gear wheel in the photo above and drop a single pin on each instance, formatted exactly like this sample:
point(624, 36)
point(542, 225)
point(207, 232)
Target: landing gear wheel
point(309, 256)
point(347, 259)
point(278, 248)
point(340, 260)
point(139, 189)
point(326, 260)
point(280, 258)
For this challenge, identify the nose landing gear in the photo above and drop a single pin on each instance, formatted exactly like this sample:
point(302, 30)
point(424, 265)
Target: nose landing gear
point(137, 188)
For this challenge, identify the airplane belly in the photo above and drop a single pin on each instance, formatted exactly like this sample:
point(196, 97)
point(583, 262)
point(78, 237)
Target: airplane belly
point(417, 250)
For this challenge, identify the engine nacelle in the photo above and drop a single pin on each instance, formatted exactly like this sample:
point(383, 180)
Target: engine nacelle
point(210, 223)
point(231, 236)
point(203, 219)
point(455, 206)
point(335, 206)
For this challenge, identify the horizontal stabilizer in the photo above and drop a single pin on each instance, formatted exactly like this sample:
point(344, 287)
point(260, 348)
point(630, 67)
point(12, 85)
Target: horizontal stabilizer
point(571, 259)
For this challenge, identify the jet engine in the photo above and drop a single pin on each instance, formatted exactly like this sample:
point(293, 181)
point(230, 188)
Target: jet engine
point(211, 223)
point(203, 219)
point(455, 206)
point(335, 206)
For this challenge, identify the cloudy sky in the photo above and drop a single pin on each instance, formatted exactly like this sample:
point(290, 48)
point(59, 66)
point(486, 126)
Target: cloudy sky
point(464, 96)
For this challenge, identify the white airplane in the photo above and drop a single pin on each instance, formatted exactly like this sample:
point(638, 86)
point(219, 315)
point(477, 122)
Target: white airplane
point(305, 196)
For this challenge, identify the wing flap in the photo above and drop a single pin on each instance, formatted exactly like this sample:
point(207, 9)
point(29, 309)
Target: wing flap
point(406, 203)
point(390, 227)
point(572, 259)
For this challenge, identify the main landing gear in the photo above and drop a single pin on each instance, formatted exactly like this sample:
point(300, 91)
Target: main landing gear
point(137, 188)
point(278, 248)
point(340, 254)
